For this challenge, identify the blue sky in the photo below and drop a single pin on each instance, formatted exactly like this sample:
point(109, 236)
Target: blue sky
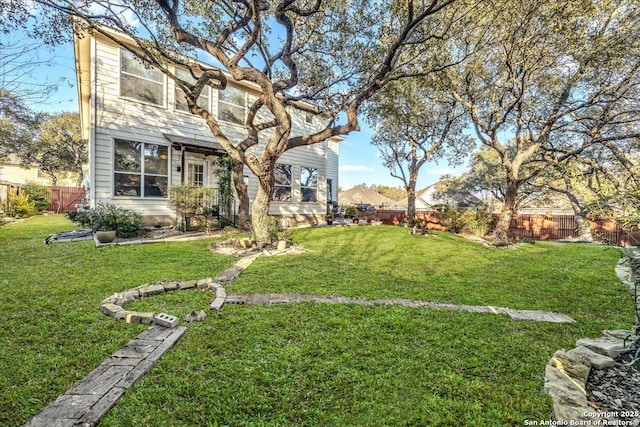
point(359, 160)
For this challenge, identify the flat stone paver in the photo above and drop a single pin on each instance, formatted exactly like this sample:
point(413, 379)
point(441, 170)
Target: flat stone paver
point(91, 397)
point(267, 299)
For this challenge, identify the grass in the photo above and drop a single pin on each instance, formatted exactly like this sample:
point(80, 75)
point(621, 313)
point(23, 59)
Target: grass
point(306, 364)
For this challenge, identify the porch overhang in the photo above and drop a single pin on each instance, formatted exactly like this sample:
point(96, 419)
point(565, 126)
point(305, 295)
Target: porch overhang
point(193, 145)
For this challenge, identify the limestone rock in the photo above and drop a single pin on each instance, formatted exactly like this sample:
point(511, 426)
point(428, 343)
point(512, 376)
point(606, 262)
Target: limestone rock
point(142, 317)
point(594, 359)
point(170, 286)
point(204, 283)
point(125, 315)
point(569, 397)
point(195, 316)
point(149, 290)
point(189, 284)
point(110, 309)
point(620, 334)
point(607, 346)
point(571, 365)
point(128, 296)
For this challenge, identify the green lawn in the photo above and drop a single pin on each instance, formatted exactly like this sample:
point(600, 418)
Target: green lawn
point(305, 364)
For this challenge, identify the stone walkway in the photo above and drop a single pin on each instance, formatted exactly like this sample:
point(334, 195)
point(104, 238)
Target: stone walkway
point(267, 299)
point(91, 397)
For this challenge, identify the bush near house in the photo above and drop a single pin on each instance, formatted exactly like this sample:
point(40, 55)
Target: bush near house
point(107, 216)
point(20, 205)
point(39, 194)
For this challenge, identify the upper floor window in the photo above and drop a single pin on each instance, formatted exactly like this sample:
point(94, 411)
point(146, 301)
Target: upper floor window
point(309, 184)
point(140, 169)
point(308, 117)
point(139, 80)
point(232, 105)
point(180, 101)
point(282, 192)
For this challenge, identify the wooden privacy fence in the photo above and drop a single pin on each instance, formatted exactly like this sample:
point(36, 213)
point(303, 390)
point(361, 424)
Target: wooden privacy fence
point(61, 199)
point(534, 226)
point(65, 199)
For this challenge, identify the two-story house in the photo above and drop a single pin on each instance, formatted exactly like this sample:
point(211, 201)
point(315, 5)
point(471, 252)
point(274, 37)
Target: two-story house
point(142, 139)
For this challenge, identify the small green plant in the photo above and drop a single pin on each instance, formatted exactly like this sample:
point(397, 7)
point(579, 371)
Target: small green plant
point(273, 228)
point(21, 205)
point(39, 194)
point(350, 211)
point(83, 219)
point(285, 234)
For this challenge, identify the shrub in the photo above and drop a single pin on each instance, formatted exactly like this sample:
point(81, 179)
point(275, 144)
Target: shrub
point(125, 222)
point(480, 221)
point(189, 200)
point(107, 216)
point(350, 211)
point(455, 220)
point(21, 205)
point(39, 194)
point(83, 219)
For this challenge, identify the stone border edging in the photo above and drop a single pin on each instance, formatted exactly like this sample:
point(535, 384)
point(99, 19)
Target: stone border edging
point(113, 306)
point(567, 372)
point(162, 240)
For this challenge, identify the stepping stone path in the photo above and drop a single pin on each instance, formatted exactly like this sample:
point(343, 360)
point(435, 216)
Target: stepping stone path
point(91, 397)
point(267, 299)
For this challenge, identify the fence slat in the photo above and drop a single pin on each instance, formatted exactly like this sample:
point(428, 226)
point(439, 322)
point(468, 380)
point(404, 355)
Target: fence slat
point(536, 226)
point(65, 199)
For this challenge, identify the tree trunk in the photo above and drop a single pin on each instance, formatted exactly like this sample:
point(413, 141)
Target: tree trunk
point(243, 195)
point(260, 208)
point(501, 232)
point(411, 204)
point(582, 225)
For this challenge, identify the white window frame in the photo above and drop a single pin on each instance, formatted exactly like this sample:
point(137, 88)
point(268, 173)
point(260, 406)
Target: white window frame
point(303, 187)
point(244, 107)
point(198, 163)
point(290, 186)
point(142, 173)
point(162, 81)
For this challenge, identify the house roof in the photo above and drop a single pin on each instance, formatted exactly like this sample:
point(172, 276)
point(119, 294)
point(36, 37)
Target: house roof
point(361, 194)
point(427, 198)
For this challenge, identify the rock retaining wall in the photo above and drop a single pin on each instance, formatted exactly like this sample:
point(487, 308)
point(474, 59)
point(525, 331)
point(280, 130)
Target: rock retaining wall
point(567, 372)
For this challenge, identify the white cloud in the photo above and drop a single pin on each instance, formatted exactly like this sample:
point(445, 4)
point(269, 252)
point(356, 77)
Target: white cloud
point(356, 168)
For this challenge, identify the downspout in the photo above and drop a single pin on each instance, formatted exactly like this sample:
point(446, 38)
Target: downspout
point(93, 120)
point(182, 152)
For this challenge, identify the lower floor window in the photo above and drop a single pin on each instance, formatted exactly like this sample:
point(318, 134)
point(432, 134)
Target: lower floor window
point(140, 169)
point(282, 191)
point(309, 184)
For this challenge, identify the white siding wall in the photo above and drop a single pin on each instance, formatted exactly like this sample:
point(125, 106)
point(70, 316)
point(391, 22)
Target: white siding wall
point(118, 117)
